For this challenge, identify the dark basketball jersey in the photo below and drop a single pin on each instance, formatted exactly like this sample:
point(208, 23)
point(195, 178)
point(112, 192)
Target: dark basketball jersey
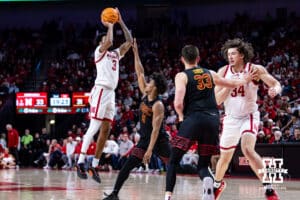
point(200, 94)
point(146, 115)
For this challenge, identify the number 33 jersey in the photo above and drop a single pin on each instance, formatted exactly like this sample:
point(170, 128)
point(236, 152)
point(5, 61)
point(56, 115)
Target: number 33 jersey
point(242, 100)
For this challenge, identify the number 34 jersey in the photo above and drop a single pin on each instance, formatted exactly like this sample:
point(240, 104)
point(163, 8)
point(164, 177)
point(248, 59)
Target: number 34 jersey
point(242, 100)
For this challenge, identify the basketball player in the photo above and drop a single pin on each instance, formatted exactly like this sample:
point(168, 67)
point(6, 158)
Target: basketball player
point(198, 115)
point(102, 98)
point(242, 117)
point(153, 136)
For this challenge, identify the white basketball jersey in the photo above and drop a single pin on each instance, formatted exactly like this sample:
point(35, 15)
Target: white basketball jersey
point(107, 64)
point(241, 100)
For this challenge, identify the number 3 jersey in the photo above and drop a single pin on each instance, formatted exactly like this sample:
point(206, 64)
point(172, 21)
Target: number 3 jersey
point(107, 64)
point(242, 100)
point(200, 95)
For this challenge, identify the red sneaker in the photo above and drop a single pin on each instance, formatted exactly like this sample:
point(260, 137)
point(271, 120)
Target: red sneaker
point(220, 190)
point(271, 195)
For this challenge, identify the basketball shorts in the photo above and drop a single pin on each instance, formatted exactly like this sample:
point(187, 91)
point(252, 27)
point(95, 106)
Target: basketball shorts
point(234, 128)
point(201, 127)
point(102, 103)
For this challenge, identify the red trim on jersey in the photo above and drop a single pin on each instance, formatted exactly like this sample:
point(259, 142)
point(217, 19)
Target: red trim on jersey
point(249, 67)
point(96, 61)
point(103, 119)
point(226, 71)
point(98, 103)
point(251, 126)
point(231, 69)
point(227, 148)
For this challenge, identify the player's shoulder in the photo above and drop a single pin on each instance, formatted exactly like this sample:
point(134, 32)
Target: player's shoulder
point(222, 70)
point(258, 67)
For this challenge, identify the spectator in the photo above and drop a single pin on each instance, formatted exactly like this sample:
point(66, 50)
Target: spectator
point(13, 142)
point(277, 137)
point(296, 134)
point(125, 146)
point(3, 140)
point(26, 148)
point(7, 161)
point(261, 137)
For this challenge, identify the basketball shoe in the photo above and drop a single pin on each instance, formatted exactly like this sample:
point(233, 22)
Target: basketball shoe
point(81, 173)
point(218, 191)
point(271, 195)
point(111, 196)
point(208, 189)
point(94, 174)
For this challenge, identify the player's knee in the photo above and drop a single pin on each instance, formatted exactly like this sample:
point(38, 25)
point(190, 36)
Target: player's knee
point(248, 151)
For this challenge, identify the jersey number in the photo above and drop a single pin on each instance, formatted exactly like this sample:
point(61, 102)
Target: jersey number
point(114, 67)
point(238, 91)
point(204, 81)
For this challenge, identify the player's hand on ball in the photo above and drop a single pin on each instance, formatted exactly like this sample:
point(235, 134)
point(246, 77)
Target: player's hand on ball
point(106, 24)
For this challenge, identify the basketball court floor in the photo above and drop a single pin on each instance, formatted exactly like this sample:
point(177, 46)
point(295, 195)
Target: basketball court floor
point(40, 184)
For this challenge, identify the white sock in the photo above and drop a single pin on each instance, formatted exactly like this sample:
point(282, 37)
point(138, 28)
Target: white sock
point(88, 137)
point(217, 184)
point(167, 197)
point(81, 158)
point(268, 187)
point(95, 162)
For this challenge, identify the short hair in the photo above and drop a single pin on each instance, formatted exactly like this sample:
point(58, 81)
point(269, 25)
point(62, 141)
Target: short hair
point(244, 48)
point(190, 53)
point(160, 82)
point(99, 37)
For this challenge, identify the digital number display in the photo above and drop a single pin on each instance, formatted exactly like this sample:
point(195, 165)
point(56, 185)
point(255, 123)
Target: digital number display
point(60, 100)
point(80, 99)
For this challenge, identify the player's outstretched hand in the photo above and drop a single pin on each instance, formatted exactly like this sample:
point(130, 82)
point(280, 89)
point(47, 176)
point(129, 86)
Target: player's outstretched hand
point(120, 20)
point(134, 46)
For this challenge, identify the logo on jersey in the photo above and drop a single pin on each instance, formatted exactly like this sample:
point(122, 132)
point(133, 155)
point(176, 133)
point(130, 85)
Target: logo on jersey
point(146, 112)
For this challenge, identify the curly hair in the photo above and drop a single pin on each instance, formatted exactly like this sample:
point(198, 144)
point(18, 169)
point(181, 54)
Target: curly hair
point(160, 82)
point(244, 48)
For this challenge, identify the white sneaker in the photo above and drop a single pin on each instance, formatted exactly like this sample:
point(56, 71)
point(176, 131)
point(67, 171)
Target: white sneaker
point(208, 189)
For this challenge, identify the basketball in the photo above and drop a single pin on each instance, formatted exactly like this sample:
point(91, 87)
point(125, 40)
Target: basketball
point(109, 15)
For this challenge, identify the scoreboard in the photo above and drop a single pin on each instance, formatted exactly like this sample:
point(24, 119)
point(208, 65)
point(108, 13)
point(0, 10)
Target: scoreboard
point(52, 103)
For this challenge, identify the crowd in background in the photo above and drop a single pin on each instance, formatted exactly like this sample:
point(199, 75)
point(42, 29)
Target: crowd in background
point(71, 68)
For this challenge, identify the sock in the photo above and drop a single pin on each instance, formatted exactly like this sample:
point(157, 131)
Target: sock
point(217, 184)
point(87, 138)
point(81, 158)
point(267, 186)
point(95, 162)
point(167, 197)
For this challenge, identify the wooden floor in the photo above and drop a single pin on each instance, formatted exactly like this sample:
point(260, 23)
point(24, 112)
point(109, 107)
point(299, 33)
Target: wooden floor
point(39, 184)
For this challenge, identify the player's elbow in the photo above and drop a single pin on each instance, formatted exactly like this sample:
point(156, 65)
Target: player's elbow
point(178, 105)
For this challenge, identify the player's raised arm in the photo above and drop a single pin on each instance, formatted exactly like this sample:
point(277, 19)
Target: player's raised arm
point(274, 85)
point(218, 80)
point(107, 41)
point(126, 45)
point(139, 69)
